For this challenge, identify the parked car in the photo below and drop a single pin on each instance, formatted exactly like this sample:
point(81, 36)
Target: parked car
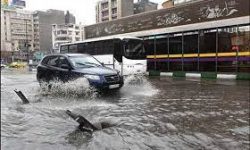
point(66, 67)
point(3, 66)
point(18, 64)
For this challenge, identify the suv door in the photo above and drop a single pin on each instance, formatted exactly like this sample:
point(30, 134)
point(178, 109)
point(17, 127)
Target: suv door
point(64, 69)
point(52, 68)
point(46, 71)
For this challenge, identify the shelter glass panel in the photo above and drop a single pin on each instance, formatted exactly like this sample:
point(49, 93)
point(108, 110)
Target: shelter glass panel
point(191, 48)
point(227, 49)
point(207, 44)
point(175, 44)
point(162, 49)
point(149, 43)
point(244, 49)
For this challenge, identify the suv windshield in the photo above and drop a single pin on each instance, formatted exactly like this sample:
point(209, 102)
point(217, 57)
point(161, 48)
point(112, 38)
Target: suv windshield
point(84, 61)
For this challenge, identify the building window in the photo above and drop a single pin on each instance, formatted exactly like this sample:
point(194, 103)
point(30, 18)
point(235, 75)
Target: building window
point(105, 14)
point(113, 3)
point(105, 5)
point(114, 11)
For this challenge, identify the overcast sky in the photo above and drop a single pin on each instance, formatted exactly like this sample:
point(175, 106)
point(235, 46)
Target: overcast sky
point(84, 10)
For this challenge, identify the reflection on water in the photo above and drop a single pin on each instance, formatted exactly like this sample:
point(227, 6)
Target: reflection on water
point(147, 113)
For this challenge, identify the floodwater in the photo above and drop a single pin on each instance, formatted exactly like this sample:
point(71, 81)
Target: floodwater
point(147, 113)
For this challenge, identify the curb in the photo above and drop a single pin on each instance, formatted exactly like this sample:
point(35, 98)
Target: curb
point(202, 75)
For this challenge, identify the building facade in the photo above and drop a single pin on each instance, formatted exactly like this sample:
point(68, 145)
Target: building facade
point(66, 33)
point(107, 10)
point(43, 21)
point(144, 6)
point(17, 32)
point(42, 28)
point(180, 2)
point(171, 3)
point(70, 18)
point(25, 32)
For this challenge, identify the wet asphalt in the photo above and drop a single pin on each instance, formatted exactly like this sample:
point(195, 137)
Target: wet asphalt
point(155, 113)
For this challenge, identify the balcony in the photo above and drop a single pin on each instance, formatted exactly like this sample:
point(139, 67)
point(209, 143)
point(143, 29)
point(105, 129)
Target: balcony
point(36, 22)
point(62, 38)
point(36, 17)
point(21, 33)
point(62, 35)
point(20, 38)
point(104, 20)
point(105, 9)
point(114, 15)
point(20, 23)
point(60, 27)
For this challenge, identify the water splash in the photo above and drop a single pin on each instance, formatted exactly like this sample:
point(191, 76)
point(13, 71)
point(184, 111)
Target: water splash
point(76, 88)
point(138, 85)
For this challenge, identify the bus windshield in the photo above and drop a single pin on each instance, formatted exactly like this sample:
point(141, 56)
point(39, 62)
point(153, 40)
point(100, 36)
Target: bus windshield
point(134, 49)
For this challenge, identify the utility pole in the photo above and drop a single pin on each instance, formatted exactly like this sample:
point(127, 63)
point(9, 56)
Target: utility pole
point(27, 40)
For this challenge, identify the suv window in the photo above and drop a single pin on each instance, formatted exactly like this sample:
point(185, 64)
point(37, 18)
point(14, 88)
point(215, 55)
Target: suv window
point(54, 61)
point(51, 61)
point(62, 61)
point(45, 61)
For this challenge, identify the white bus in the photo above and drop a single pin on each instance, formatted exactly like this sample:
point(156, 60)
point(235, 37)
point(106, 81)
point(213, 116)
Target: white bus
point(126, 54)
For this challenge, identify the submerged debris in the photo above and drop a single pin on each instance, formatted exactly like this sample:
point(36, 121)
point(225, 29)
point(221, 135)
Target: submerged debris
point(85, 125)
point(22, 97)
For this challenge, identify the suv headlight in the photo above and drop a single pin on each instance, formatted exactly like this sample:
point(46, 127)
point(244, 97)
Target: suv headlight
point(92, 77)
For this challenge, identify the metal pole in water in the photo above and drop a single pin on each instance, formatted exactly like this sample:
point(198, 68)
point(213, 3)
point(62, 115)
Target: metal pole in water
point(83, 122)
point(22, 97)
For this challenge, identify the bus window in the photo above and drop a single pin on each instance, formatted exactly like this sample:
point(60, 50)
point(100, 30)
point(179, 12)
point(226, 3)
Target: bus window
point(89, 48)
point(98, 48)
point(85, 48)
point(64, 49)
point(73, 48)
point(134, 49)
point(108, 47)
point(81, 48)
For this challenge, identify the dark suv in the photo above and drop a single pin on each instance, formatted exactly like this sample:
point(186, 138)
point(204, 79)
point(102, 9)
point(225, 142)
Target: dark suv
point(66, 67)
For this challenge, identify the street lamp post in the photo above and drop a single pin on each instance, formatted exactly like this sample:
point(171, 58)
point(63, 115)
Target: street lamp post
point(27, 40)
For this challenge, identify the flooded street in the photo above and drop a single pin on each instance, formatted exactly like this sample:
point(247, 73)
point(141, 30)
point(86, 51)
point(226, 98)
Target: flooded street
point(154, 113)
